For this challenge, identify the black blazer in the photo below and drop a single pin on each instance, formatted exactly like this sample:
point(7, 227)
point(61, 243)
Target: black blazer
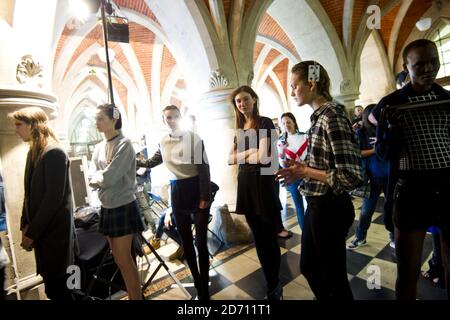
point(47, 211)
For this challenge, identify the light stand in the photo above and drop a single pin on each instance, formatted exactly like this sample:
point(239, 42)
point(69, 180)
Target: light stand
point(103, 5)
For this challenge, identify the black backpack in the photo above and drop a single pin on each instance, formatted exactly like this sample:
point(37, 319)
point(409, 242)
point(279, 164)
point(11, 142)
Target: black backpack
point(85, 217)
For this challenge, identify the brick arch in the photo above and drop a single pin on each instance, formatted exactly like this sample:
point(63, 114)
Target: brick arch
point(271, 29)
point(307, 21)
point(415, 12)
point(168, 62)
point(138, 6)
point(335, 11)
point(227, 6)
point(387, 22)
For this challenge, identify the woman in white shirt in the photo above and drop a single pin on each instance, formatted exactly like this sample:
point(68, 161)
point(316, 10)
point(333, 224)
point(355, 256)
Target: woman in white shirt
point(293, 145)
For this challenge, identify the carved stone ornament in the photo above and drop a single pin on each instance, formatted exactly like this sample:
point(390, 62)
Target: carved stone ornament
point(346, 86)
point(29, 71)
point(217, 80)
point(251, 76)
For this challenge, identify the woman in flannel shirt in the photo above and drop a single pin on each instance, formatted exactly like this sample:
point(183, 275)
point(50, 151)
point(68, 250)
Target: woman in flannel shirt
point(115, 180)
point(331, 170)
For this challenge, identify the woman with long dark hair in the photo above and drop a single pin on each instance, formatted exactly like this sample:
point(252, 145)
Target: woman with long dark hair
point(115, 180)
point(256, 196)
point(293, 145)
point(376, 170)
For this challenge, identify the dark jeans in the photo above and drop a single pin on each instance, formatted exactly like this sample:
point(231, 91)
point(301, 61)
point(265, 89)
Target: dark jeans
point(323, 255)
point(172, 231)
point(184, 222)
point(267, 248)
point(369, 204)
point(298, 202)
point(56, 288)
point(389, 203)
point(185, 195)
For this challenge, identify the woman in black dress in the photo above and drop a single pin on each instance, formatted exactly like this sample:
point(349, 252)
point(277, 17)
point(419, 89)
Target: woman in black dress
point(256, 196)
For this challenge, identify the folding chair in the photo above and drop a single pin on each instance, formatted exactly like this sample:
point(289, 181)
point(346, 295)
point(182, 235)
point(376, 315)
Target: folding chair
point(95, 258)
point(95, 244)
point(157, 200)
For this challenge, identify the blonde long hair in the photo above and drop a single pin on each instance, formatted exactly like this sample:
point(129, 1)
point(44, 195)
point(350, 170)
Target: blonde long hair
point(324, 84)
point(41, 133)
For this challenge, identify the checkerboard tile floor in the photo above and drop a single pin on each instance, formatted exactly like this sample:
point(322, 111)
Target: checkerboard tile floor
point(236, 273)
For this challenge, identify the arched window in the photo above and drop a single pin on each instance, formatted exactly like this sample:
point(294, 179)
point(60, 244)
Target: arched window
point(83, 134)
point(442, 39)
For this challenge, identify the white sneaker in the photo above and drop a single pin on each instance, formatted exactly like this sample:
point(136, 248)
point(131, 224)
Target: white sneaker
point(392, 244)
point(355, 244)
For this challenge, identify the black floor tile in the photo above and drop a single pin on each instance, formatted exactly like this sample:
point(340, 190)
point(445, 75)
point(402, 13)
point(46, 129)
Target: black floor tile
point(356, 262)
point(387, 254)
point(289, 267)
point(362, 292)
point(290, 242)
point(254, 284)
point(218, 282)
point(352, 229)
point(427, 290)
point(379, 220)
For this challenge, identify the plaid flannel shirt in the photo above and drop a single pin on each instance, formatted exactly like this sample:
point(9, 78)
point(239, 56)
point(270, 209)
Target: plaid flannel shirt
point(333, 148)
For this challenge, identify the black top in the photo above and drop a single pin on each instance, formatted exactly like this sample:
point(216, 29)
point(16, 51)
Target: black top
point(391, 146)
point(250, 139)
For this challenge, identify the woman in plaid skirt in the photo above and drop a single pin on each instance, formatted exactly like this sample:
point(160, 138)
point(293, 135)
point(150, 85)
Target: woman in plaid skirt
point(115, 181)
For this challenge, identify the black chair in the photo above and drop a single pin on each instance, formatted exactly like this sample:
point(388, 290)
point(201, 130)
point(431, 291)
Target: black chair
point(100, 276)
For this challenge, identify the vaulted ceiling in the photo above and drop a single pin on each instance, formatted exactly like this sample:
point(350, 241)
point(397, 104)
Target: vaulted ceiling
point(274, 51)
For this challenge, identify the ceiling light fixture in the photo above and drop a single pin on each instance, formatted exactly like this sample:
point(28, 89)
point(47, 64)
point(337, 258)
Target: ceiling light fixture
point(423, 24)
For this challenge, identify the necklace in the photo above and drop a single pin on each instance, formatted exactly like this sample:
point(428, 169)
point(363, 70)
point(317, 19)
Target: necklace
point(108, 140)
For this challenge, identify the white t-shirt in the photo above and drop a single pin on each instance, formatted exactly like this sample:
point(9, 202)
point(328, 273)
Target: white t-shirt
point(294, 143)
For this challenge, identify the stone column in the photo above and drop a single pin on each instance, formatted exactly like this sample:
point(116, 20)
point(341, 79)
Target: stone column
point(25, 74)
point(215, 124)
point(348, 95)
point(13, 154)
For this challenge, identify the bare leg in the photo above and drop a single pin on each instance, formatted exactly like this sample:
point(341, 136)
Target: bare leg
point(409, 252)
point(121, 250)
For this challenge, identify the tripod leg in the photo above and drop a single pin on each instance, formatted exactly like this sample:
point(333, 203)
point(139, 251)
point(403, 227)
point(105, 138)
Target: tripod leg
point(163, 264)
